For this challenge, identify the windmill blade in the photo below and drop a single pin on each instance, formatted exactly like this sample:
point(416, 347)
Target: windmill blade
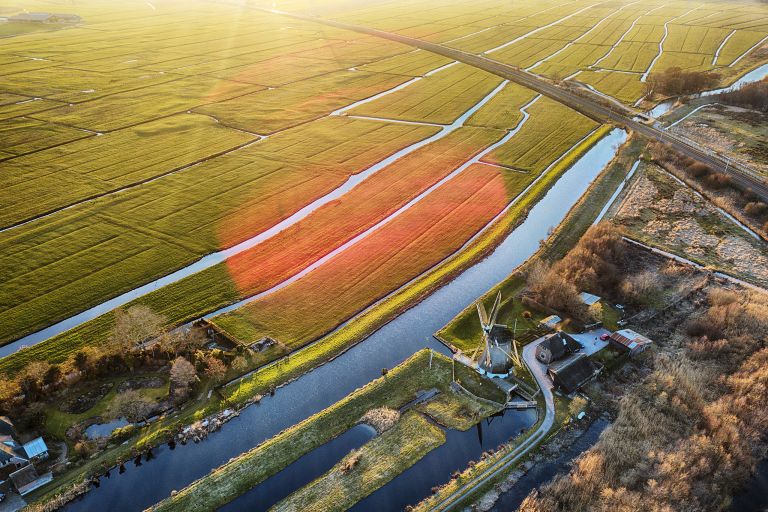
point(517, 360)
point(481, 312)
point(478, 347)
point(495, 309)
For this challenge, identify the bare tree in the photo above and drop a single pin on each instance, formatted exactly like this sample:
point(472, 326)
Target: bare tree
point(132, 405)
point(135, 325)
point(182, 373)
point(215, 369)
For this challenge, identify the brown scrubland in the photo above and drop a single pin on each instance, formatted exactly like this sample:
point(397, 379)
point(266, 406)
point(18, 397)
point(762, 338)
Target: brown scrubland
point(687, 436)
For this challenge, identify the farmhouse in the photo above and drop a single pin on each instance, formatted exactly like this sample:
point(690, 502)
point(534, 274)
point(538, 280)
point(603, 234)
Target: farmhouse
point(16, 460)
point(627, 339)
point(572, 373)
point(556, 346)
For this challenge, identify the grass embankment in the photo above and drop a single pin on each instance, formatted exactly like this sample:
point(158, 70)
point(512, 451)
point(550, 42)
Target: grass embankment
point(378, 461)
point(302, 361)
point(394, 390)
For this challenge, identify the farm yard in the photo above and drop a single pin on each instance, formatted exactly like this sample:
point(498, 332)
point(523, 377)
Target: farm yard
point(276, 178)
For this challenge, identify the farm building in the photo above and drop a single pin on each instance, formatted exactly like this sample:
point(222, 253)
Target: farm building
point(26, 479)
point(36, 449)
point(556, 346)
point(551, 321)
point(572, 373)
point(589, 299)
point(627, 339)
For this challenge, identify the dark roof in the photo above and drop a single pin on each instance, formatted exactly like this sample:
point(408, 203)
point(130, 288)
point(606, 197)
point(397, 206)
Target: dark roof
point(24, 476)
point(570, 374)
point(501, 334)
point(6, 427)
point(556, 346)
point(10, 452)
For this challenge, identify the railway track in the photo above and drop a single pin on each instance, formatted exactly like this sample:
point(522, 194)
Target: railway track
point(585, 101)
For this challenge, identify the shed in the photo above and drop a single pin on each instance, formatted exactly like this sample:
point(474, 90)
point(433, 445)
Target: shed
point(27, 480)
point(556, 346)
point(551, 321)
point(36, 449)
point(627, 339)
point(589, 299)
point(572, 373)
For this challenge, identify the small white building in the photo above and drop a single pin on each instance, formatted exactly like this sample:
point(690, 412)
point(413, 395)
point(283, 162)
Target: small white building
point(589, 299)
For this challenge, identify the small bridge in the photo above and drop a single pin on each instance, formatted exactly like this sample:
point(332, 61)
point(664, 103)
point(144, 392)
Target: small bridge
point(527, 404)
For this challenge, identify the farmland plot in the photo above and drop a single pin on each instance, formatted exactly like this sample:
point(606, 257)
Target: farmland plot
point(47, 180)
point(414, 63)
point(440, 98)
point(21, 135)
point(146, 104)
point(74, 85)
point(622, 86)
point(27, 106)
point(409, 245)
point(221, 203)
point(503, 110)
point(552, 130)
point(270, 110)
point(741, 41)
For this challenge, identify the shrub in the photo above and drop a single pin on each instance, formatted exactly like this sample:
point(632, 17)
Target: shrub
point(382, 419)
point(121, 434)
point(756, 208)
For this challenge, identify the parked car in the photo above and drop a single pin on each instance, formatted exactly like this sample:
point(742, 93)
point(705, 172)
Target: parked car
point(2, 497)
point(605, 336)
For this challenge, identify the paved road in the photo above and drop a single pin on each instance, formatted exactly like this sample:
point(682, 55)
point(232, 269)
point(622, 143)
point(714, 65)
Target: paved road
point(581, 99)
point(539, 373)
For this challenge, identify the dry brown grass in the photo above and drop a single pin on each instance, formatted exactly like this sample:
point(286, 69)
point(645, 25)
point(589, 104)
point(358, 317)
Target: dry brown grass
point(382, 419)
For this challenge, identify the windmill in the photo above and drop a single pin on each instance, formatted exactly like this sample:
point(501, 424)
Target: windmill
point(497, 341)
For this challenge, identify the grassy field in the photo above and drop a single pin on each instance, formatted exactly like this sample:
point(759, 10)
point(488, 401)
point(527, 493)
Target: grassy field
point(103, 248)
point(393, 391)
point(425, 234)
point(61, 176)
point(537, 144)
point(439, 98)
point(19, 136)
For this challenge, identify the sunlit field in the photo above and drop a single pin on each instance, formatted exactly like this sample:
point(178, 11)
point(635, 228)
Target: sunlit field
point(124, 160)
point(277, 178)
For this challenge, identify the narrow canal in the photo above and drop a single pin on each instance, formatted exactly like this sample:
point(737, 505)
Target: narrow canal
point(390, 345)
point(544, 472)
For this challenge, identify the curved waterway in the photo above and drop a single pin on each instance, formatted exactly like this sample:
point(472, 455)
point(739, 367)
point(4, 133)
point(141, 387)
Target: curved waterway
point(385, 348)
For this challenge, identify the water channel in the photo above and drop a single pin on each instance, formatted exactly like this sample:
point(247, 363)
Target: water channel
point(330, 382)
